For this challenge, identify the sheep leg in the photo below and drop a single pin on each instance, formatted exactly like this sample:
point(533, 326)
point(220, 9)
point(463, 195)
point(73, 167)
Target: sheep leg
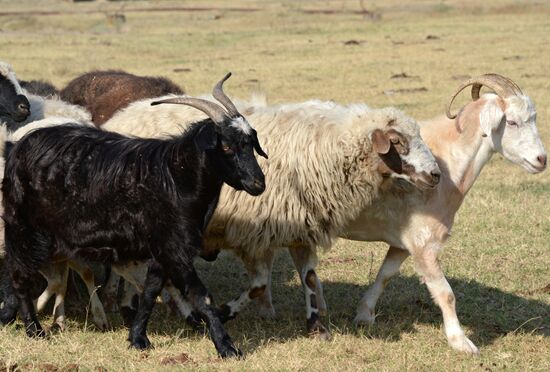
point(305, 260)
point(134, 274)
point(154, 282)
point(192, 318)
point(259, 272)
point(306, 250)
point(110, 293)
point(87, 275)
point(57, 275)
point(427, 264)
point(129, 302)
point(264, 299)
point(54, 275)
point(390, 268)
point(204, 304)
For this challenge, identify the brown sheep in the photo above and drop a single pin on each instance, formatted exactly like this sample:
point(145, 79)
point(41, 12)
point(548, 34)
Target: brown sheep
point(105, 92)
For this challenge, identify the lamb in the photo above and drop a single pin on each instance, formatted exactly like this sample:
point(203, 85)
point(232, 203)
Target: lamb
point(105, 92)
point(328, 163)
point(69, 173)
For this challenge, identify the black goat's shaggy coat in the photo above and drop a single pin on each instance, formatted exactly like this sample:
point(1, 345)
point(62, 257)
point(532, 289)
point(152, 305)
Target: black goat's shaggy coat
point(81, 193)
point(105, 92)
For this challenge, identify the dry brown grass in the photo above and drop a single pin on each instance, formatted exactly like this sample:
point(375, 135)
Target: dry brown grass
point(500, 249)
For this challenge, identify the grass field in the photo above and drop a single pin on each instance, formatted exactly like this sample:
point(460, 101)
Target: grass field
point(498, 259)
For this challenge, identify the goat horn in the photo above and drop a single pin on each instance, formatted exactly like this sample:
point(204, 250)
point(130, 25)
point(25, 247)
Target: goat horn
point(223, 99)
point(503, 87)
point(214, 112)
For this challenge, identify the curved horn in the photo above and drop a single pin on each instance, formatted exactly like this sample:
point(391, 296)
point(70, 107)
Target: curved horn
point(214, 112)
point(223, 99)
point(502, 86)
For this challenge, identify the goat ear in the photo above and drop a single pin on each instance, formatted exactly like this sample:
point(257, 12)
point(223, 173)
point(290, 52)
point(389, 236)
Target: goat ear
point(206, 138)
point(380, 141)
point(490, 117)
point(257, 146)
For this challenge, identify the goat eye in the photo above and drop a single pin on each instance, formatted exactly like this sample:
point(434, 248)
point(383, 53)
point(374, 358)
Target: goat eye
point(512, 123)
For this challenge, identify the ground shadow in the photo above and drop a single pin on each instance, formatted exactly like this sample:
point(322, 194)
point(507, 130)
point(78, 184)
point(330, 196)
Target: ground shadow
point(487, 313)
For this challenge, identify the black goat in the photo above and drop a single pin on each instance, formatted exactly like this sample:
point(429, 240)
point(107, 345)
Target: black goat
point(86, 194)
point(14, 106)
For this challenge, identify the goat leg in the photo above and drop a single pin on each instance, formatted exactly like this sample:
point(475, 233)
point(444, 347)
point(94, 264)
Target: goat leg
point(259, 272)
point(427, 264)
point(192, 287)
point(154, 282)
point(390, 267)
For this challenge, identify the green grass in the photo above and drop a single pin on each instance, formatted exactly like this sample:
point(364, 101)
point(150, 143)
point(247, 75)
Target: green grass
point(499, 253)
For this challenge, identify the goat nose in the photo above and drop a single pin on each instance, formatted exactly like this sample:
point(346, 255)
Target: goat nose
point(542, 159)
point(259, 184)
point(436, 175)
point(23, 107)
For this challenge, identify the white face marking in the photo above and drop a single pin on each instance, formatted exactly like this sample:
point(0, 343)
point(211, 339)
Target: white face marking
point(241, 124)
point(514, 133)
point(419, 157)
point(7, 71)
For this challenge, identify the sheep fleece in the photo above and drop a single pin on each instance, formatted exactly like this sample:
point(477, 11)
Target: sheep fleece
point(320, 173)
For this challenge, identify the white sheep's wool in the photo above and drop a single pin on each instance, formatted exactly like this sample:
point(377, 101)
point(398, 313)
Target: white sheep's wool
point(318, 176)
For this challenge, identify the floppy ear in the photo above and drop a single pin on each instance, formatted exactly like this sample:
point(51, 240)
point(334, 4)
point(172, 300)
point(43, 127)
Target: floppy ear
point(257, 146)
point(206, 138)
point(490, 117)
point(380, 141)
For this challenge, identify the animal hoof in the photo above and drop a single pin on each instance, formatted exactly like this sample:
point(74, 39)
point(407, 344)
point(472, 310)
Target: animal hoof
point(34, 330)
point(194, 321)
point(230, 351)
point(57, 327)
point(267, 312)
point(463, 344)
point(141, 343)
point(102, 325)
point(318, 331)
point(364, 318)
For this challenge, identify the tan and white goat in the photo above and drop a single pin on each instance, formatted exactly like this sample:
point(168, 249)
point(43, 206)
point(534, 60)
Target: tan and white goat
point(420, 221)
